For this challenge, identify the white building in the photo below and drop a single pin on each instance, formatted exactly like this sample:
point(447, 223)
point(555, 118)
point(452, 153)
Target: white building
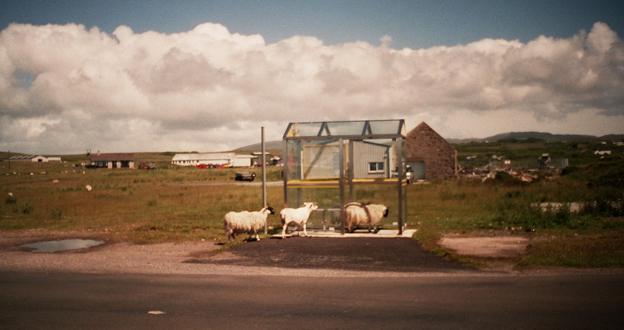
point(225, 159)
point(35, 159)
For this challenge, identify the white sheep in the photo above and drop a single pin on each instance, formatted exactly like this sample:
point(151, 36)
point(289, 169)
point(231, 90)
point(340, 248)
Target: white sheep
point(246, 222)
point(298, 216)
point(357, 214)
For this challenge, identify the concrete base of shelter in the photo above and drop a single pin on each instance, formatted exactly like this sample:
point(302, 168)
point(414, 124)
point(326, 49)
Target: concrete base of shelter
point(384, 233)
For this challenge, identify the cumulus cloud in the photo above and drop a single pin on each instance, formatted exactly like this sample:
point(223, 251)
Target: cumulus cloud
point(66, 88)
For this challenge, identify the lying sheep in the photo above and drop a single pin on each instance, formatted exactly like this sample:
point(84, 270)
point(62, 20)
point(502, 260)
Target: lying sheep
point(246, 222)
point(298, 216)
point(358, 214)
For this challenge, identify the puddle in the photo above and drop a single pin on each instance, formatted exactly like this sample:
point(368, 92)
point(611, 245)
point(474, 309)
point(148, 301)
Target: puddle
point(61, 245)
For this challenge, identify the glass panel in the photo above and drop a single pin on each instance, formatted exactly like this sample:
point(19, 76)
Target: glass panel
point(346, 127)
point(304, 129)
point(293, 159)
point(385, 126)
point(320, 160)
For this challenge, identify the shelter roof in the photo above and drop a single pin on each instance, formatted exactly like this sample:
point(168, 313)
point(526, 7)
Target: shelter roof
point(356, 129)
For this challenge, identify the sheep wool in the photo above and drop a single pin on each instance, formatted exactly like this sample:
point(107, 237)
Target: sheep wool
point(245, 222)
point(298, 216)
point(358, 214)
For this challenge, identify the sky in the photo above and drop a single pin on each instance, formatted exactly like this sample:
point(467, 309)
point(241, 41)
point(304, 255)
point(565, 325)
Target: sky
point(205, 75)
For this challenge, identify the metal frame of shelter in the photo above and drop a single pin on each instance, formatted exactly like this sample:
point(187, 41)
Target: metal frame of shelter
point(346, 133)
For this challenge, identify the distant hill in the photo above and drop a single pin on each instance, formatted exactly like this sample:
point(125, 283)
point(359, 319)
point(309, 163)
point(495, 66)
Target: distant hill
point(275, 147)
point(541, 136)
point(272, 147)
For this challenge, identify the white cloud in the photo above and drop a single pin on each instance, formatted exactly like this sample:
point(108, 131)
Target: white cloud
point(209, 89)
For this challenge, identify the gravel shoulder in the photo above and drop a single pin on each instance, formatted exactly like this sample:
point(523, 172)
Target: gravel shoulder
point(307, 257)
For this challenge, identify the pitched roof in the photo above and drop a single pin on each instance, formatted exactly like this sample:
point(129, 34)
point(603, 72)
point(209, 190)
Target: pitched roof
point(111, 157)
point(204, 156)
point(423, 127)
point(420, 136)
point(22, 157)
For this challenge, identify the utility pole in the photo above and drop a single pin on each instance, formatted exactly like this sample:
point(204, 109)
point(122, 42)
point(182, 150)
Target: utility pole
point(264, 191)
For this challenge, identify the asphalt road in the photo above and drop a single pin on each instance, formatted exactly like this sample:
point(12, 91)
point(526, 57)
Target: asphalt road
point(363, 254)
point(85, 301)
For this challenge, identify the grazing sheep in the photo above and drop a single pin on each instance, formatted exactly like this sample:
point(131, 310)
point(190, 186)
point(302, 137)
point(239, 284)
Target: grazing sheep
point(11, 199)
point(364, 214)
point(246, 222)
point(298, 216)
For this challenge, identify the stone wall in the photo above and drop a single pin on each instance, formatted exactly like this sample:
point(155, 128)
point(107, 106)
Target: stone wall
point(440, 158)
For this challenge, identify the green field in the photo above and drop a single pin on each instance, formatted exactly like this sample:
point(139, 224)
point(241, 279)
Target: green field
point(178, 204)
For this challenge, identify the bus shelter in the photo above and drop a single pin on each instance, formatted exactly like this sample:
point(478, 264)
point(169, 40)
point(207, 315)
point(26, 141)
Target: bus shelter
point(342, 155)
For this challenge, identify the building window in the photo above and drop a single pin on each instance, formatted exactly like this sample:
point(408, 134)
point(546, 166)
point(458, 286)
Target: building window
point(375, 167)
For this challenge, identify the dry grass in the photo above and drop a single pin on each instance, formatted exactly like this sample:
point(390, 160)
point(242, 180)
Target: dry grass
point(137, 205)
point(178, 204)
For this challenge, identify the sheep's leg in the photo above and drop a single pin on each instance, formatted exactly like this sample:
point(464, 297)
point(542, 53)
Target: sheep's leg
point(229, 235)
point(284, 230)
point(257, 237)
point(305, 232)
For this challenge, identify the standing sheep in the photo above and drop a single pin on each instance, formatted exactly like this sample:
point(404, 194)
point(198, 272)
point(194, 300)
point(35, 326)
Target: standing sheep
point(298, 216)
point(246, 222)
point(364, 214)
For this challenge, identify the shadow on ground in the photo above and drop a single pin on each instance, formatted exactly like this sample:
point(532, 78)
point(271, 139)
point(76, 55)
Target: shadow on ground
point(367, 254)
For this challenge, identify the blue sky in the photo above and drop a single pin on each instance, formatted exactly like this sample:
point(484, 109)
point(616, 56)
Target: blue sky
point(413, 24)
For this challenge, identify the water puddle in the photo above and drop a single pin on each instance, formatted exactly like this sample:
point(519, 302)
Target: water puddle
point(61, 245)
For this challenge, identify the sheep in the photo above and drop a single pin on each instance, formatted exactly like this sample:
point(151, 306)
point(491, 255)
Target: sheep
point(357, 214)
point(246, 222)
point(298, 216)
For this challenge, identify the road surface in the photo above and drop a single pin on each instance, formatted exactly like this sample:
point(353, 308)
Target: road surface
point(443, 301)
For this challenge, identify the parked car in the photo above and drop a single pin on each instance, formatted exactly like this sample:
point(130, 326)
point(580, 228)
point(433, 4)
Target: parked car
point(244, 176)
point(147, 166)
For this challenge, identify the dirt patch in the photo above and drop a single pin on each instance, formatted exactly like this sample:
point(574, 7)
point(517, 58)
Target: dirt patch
point(368, 254)
point(486, 247)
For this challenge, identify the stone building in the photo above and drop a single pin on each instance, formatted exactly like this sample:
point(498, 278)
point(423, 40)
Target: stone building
point(429, 154)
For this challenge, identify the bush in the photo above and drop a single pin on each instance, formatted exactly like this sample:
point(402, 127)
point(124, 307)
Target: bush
point(518, 212)
point(26, 208)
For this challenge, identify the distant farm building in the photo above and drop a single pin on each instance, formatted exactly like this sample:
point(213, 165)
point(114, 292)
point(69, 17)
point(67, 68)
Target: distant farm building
point(602, 152)
point(429, 155)
point(370, 160)
point(218, 159)
point(35, 158)
point(270, 159)
point(112, 160)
